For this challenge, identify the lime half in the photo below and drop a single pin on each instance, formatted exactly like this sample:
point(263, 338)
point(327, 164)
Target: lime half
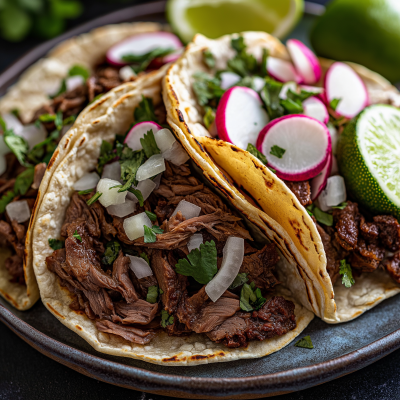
point(369, 159)
point(214, 18)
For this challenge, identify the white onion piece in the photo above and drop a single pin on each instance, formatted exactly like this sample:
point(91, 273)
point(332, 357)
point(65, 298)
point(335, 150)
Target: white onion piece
point(176, 154)
point(112, 171)
point(12, 122)
point(188, 210)
point(134, 226)
point(232, 259)
point(164, 139)
point(33, 134)
point(140, 267)
point(126, 73)
point(122, 210)
point(258, 83)
point(109, 196)
point(3, 164)
point(195, 241)
point(333, 194)
point(73, 82)
point(286, 87)
point(334, 167)
point(334, 136)
point(146, 187)
point(88, 181)
point(229, 79)
point(18, 210)
point(157, 181)
point(153, 166)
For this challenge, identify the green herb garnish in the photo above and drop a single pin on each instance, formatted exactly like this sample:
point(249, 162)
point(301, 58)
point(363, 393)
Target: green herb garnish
point(341, 206)
point(206, 88)
point(144, 256)
point(79, 70)
point(251, 297)
point(201, 264)
point(252, 150)
point(142, 61)
point(334, 103)
point(130, 162)
point(94, 198)
point(209, 58)
point(5, 199)
point(270, 97)
point(145, 111)
point(243, 64)
point(292, 106)
point(56, 244)
point(149, 144)
point(152, 294)
point(345, 270)
point(152, 216)
point(323, 217)
point(106, 155)
point(111, 253)
point(239, 280)
point(17, 144)
point(166, 319)
point(87, 191)
point(150, 233)
point(306, 343)
point(77, 236)
point(277, 151)
point(209, 117)
point(24, 181)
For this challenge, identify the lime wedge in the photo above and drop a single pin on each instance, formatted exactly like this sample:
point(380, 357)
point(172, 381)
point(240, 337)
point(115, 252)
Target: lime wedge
point(368, 156)
point(214, 18)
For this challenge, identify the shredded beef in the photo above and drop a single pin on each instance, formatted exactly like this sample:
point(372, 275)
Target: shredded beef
point(301, 190)
point(392, 266)
point(366, 257)
point(346, 226)
point(141, 312)
point(389, 231)
point(15, 267)
point(332, 255)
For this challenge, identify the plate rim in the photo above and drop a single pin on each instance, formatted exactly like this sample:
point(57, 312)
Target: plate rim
point(138, 378)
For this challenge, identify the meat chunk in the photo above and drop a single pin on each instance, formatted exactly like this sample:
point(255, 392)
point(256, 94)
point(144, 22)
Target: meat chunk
point(15, 267)
point(121, 268)
point(40, 169)
point(141, 312)
point(389, 231)
point(347, 226)
point(301, 190)
point(392, 266)
point(366, 257)
point(332, 255)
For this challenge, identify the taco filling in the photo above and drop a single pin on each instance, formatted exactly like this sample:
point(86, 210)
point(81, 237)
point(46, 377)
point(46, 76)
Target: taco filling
point(154, 249)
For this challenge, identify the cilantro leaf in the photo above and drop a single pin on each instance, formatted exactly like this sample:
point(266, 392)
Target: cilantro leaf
point(137, 193)
point(3, 125)
point(149, 144)
point(238, 44)
point(43, 151)
point(207, 88)
point(251, 297)
point(341, 206)
point(201, 264)
point(144, 256)
point(130, 162)
point(277, 151)
point(145, 111)
point(166, 319)
point(77, 236)
point(56, 244)
point(299, 97)
point(24, 181)
point(270, 97)
point(323, 217)
point(150, 233)
point(157, 229)
point(239, 280)
point(345, 270)
point(243, 64)
point(209, 117)
point(334, 103)
point(152, 294)
point(79, 70)
point(17, 144)
point(252, 150)
point(47, 118)
point(106, 155)
point(209, 58)
point(5, 199)
point(94, 198)
point(152, 216)
point(142, 61)
point(292, 106)
point(306, 343)
point(111, 252)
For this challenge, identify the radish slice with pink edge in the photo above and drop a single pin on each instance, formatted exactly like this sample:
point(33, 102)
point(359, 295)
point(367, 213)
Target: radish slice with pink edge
point(141, 44)
point(304, 141)
point(305, 61)
point(317, 184)
point(282, 70)
point(315, 108)
point(240, 116)
point(138, 131)
point(343, 83)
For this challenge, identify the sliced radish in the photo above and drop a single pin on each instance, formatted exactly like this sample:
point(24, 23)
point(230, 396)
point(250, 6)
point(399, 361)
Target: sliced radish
point(282, 70)
point(292, 86)
point(343, 83)
point(141, 44)
point(240, 116)
point(138, 131)
point(318, 183)
point(229, 79)
point(315, 108)
point(305, 61)
point(296, 146)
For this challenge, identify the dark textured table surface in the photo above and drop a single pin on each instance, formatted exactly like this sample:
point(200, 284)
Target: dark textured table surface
point(27, 374)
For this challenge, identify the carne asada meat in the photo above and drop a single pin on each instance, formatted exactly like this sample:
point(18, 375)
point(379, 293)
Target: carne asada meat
point(301, 190)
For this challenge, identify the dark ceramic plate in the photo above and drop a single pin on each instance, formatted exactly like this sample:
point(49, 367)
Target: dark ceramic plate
point(339, 349)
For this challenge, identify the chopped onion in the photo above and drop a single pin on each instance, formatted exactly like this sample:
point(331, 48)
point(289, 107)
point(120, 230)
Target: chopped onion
point(188, 210)
point(157, 181)
point(146, 187)
point(232, 259)
point(140, 267)
point(88, 181)
point(122, 210)
point(126, 73)
point(73, 82)
point(12, 122)
point(134, 226)
point(109, 196)
point(33, 134)
point(164, 139)
point(229, 79)
point(112, 171)
point(153, 166)
point(195, 241)
point(285, 88)
point(176, 154)
point(18, 210)
point(334, 137)
point(333, 194)
point(258, 83)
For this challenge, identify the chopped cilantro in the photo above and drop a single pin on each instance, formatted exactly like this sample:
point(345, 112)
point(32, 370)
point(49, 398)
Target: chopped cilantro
point(201, 264)
point(238, 44)
point(79, 70)
point(152, 216)
point(145, 111)
point(166, 319)
point(292, 106)
point(56, 244)
point(150, 233)
point(87, 191)
point(239, 280)
point(299, 97)
point(138, 195)
point(144, 256)
point(5, 199)
point(63, 88)
point(152, 294)
point(69, 120)
point(263, 66)
point(130, 162)
point(209, 117)
point(3, 125)
point(306, 343)
point(111, 253)
point(345, 270)
point(251, 297)
point(277, 151)
point(271, 99)
point(17, 144)
point(334, 103)
point(243, 64)
point(208, 58)
point(341, 206)
point(106, 155)
point(149, 144)
point(142, 61)
point(24, 181)
point(94, 198)
point(252, 150)
point(207, 88)
point(77, 236)
point(43, 151)
point(47, 118)
point(157, 229)
point(323, 217)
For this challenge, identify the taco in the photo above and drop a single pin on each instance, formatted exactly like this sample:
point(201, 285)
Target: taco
point(135, 274)
point(335, 242)
point(40, 109)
